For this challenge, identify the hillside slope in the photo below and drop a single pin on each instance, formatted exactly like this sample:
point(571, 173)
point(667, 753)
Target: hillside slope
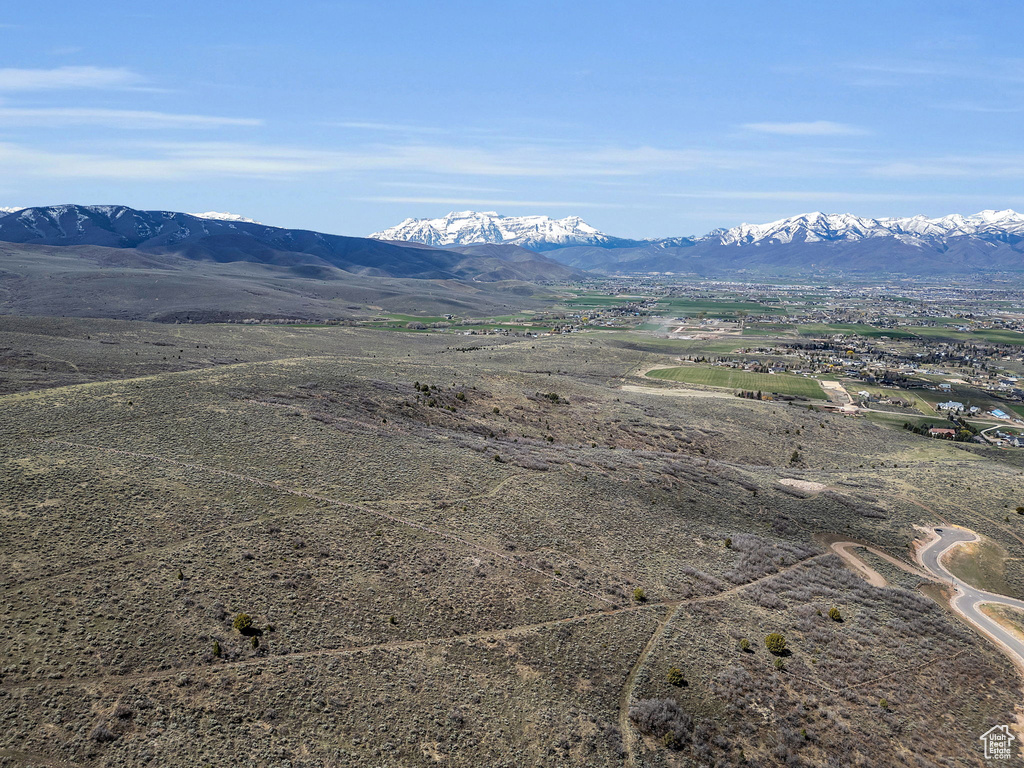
point(96, 281)
point(475, 575)
point(234, 239)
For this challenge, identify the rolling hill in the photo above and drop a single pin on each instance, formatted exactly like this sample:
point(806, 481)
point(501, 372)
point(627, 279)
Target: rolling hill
point(112, 261)
point(233, 239)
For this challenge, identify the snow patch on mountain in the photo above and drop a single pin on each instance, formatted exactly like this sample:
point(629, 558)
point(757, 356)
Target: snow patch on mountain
point(469, 227)
point(220, 216)
point(4, 210)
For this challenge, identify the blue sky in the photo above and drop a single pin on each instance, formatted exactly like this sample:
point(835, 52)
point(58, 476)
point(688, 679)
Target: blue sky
point(656, 119)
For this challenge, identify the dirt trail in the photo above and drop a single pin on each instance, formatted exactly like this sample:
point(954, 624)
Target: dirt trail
point(676, 392)
point(672, 607)
point(837, 389)
point(873, 577)
point(629, 686)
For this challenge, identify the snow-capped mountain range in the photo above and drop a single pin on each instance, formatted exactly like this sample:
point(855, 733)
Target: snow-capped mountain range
point(471, 227)
point(493, 247)
point(545, 233)
point(819, 227)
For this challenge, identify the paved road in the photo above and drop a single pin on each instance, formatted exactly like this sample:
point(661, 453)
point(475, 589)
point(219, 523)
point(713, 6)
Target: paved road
point(969, 599)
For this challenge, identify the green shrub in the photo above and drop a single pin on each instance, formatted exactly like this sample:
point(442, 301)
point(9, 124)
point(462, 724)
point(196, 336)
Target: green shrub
point(639, 595)
point(834, 614)
point(745, 645)
point(780, 664)
point(243, 622)
point(676, 677)
point(775, 643)
point(216, 649)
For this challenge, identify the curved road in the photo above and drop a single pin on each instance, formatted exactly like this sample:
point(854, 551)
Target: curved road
point(969, 599)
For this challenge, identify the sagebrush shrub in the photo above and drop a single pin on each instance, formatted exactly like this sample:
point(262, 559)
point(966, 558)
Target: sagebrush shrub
point(663, 719)
point(676, 677)
point(775, 643)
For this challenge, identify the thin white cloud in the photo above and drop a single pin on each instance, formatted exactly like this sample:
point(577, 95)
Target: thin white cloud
point(478, 202)
point(185, 160)
point(438, 186)
point(67, 78)
point(915, 68)
point(988, 70)
point(814, 128)
point(953, 166)
point(794, 196)
point(967, 106)
point(385, 127)
point(182, 162)
point(114, 118)
point(447, 163)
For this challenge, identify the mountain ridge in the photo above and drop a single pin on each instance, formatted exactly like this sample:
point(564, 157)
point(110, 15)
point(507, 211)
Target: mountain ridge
point(231, 238)
point(817, 226)
point(476, 227)
point(987, 241)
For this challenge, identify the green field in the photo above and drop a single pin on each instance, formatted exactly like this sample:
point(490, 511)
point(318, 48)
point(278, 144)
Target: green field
point(782, 383)
point(776, 329)
point(758, 329)
point(600, 301)
point(991, 335)
point(869, 331)
point(897, 420)
point(906, 395)
point(654, 344)
point(712, 308)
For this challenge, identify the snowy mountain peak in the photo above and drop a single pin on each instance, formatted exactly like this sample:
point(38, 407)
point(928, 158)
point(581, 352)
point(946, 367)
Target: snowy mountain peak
point(818, 227)
point(4, 210)
point(469, 227)
point(218, 216)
